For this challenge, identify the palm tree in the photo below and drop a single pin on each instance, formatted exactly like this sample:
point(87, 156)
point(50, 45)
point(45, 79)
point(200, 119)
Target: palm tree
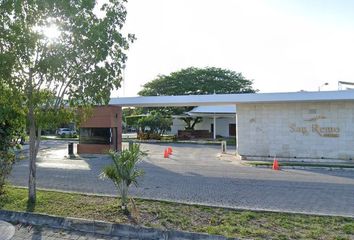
point(123, 172)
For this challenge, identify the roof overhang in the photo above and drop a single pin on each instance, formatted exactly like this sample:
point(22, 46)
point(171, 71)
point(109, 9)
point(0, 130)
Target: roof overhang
point(211, 115)
point(228, 99)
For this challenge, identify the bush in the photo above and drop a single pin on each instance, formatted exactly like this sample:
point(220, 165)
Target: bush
point(123, 171)
point(12, 126)
point(155, 136)
point(7, 159)
point(143, 136)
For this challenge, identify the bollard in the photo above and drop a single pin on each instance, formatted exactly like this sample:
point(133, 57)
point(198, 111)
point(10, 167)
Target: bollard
point(223, 147)
point(70, 148)
point(130, 145)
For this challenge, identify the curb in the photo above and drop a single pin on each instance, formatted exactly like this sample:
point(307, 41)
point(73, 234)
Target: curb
point(101, 227)
point(172, 142)
point(307, 167)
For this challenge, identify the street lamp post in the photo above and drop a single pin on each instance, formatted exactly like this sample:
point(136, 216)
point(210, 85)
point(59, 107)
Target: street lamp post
point(324, 84)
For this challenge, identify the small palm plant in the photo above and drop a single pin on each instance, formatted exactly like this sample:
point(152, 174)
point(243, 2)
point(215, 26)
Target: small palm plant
point(124, 172)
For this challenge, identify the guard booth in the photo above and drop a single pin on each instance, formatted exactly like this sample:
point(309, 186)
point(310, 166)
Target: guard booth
point(102, 131)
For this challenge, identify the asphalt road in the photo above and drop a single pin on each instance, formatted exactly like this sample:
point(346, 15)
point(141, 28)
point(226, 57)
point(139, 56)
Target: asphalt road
point(195, 174)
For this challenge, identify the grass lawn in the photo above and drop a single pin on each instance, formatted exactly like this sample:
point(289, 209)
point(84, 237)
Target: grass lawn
point(165, 215)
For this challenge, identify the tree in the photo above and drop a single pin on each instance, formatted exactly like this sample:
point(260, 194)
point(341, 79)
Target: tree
point(80, 66)
point(196, 81)
point(150, 126)
point(123, 172)
point(12, 124)
point(154, 125)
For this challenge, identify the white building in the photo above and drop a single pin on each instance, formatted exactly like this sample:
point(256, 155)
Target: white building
point(301, 125)
point(223, 118)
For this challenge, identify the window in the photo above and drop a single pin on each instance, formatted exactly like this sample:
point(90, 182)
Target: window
point(95, 135)
point(232, 129)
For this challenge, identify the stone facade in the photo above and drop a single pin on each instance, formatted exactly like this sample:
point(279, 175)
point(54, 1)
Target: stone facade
point(296, 130)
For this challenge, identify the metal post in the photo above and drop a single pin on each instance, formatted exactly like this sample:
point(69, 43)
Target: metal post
point(223, 147)
point(214, 127)
point(70, 148)
point(236, 131)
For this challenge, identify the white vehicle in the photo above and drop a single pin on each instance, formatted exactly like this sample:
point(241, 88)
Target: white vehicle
point(65, 131)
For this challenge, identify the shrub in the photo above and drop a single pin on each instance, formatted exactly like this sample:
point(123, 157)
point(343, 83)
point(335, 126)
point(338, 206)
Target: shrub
point(155, 136)
point(143, 136)
point(123, 172)
point(7, 159)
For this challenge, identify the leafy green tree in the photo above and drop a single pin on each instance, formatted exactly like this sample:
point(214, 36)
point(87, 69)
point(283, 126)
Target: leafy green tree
point(124, 172)
point(156, 122)
point(81, 65)
point(12, 125)
point(196, 81)
point(133, 120)
point(152, 125)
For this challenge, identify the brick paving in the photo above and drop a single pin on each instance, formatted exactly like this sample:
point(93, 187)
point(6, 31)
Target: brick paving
point(195, 175)
point(27, 232)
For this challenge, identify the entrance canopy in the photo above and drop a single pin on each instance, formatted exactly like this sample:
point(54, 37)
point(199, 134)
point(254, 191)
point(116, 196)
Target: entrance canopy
point(229, 99)
point(212, 111)
point(290, 126)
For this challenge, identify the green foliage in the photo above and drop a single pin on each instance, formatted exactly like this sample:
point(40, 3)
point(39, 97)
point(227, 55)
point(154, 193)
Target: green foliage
point(7, 159)
point(127, 112)
point(12, 123)
point(133, 120)
point(155, 122)
point(193, 218)
point(196, 81)
point(79, 67)
point(349, 228)
point(151, 125)
point(84, 62)
point(123, 172)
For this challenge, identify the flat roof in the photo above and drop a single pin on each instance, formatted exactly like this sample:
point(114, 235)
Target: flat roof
point(228, 99)
point(227, 109)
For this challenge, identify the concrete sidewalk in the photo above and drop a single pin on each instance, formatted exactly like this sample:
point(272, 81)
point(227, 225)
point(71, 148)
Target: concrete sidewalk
point(28, 232)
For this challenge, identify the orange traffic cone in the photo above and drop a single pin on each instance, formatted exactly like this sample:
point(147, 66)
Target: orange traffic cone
point(169, 150)
point(275, 165)
point(165, 154)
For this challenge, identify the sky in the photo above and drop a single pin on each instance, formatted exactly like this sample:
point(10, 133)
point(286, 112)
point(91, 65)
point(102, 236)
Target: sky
point(282, 45)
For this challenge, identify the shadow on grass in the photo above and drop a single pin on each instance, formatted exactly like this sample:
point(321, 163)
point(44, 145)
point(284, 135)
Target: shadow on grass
point(30, 206)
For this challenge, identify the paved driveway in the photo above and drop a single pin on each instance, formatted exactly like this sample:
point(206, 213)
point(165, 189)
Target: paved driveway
point(194, 174)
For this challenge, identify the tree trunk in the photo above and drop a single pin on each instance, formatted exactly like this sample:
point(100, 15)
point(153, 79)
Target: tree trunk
point(32, 157)
point(191, 122)
point(196, 120)
point(38, 140)
point(124, 197)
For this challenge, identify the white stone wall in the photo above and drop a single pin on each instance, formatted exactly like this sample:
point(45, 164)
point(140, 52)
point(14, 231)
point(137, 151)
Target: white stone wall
point(302, 130)
point(177, 124)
